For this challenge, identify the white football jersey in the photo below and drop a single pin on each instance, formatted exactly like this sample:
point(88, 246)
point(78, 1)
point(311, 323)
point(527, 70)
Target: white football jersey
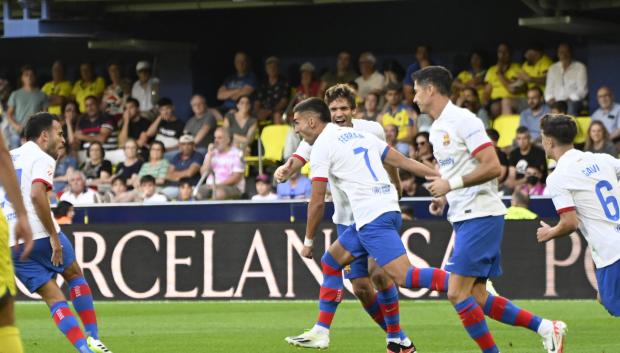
point(31, 165)
point(588, 183)
point(352, 161)
point(457, 135)
point(342, 208)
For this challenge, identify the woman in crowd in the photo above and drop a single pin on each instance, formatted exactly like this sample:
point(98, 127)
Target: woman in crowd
point(97, 169)
point(308, 86)
point(115, 95)
point(473, 77)
point(242, 124)
point(371, 108)
point(598, 140)
point(422, 151)
point(130, 167)
point(156, 166)
point(68, 119)
point(534, 183)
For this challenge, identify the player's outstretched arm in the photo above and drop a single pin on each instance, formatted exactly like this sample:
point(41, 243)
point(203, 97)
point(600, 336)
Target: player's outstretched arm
point(397, 160)
point(316, 209)
point(9, 182)
point(284, 172)
point(568, 224)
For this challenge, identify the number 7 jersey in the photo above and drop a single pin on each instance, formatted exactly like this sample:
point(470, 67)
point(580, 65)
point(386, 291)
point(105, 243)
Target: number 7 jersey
point(32, 165)
point(588, 183)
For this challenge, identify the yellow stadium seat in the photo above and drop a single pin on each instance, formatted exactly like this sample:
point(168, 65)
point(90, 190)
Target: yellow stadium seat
point(507, 126)
point(272, 139)
point(583, 123)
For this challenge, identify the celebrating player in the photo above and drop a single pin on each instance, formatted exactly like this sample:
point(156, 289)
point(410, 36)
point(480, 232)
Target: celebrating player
point(52, 252)
point(469, 169)
point(584, 190)
point(9, 334)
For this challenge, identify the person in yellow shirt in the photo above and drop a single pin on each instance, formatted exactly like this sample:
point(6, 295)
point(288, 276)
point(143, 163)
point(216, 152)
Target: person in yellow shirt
point(501, 94)
point(471, 78)
point(397, 114)
point(10, 341)
point(58, 89)
point(87, 85)
point(518, 207)
point(533, 72)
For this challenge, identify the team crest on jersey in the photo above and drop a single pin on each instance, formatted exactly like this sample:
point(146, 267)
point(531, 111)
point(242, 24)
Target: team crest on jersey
point(446, 139)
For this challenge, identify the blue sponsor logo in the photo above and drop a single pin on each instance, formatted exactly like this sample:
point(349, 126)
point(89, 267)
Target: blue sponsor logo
point(446, 162)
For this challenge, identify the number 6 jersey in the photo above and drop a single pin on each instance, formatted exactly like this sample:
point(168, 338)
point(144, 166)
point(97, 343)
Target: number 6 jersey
point(32, 165)
point(588, 183)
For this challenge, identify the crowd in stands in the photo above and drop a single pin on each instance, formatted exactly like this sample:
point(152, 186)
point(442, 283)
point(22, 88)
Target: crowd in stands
point(124, 143)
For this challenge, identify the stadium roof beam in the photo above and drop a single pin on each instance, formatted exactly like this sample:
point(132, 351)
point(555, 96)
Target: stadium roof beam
point(571, 25)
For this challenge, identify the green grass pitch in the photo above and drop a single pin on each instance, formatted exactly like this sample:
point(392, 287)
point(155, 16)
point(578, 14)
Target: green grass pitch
point(261, 327)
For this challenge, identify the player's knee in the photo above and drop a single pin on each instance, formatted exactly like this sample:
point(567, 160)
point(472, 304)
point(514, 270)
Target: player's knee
point(380, 280)
point(363, 291)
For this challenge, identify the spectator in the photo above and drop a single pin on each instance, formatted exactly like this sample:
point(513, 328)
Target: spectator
point(524, 155)
point(391, 132)
point(145, 89)
point(470, 100)
point(567, 80)
point(598, 140)
point(156, 166)
point(501, 155)
point(371, 108)
point(308, 86)
point(116, 94)
point(95, 126)
point(343, 73)
point(119, 191)
point(64, 213)
point(410, 185)
point(65, 164)
point(297, 187)
point(133, 125)
point(242, 83)
point(68, 118)
point(370, 80)
point(533, 72)
point(225, 167)
point(185, 164)
point(534, 182)
point(23, 103)
point(273, 95)
point(58, 89)
point(424, 154)
point(88, 85)
point(166, 128)
point(202, 125)
point(608, 112)
point(559, 107)
point(423, 59)
point(242, 124)
point(472, 78)
point(96, 169)
point(185, 190)
point(79, 194)
point(392, 73)
point(397, 113)
point(149, 191)
point(130, 167)
point(530, 117)
point(500, 92)
point(518, 209)
point(263, 189)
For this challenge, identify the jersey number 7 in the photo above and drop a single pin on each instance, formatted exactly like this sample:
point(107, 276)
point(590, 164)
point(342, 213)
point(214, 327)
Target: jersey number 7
point(363, 150)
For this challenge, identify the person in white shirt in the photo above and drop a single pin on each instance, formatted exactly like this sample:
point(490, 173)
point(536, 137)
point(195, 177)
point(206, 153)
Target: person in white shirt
point(585, 192)
point(370, 80)
point(263, 189)
point(149, 191)
point(79, 194)
point(52, 253)
point(469, 168)
point(145, 89)
point(567, 80)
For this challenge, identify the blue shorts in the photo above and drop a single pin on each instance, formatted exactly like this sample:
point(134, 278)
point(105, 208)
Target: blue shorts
point(347, 236)
point(477, 247)
point(37, 270)
point(381, 238)
point(608, 279)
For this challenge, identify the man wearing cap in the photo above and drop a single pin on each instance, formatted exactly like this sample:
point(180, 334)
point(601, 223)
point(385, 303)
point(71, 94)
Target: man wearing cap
point(185, 164)
point(87, 85)
point(370, 80)
point(145, 88)
point(242, 83)
point(273, 94)
point(308, 86)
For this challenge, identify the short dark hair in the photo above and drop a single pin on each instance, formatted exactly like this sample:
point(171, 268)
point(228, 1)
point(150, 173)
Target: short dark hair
point(315, 105)
point(38, 123)
point(341, 90)
point(537, 89)
point(27, 68)
point(393, 86)
point(438, 76)
point(560, 106)
point(185, 181)
point(71, 102)
point(164, 101)
point(493, 134)
point(147, 179)
point(523, 130)
point(473, 91)
point(160, 144)
point(119, 178)
point(91, 97)
point(133, 101)
point(62, 208)
point(560, 127)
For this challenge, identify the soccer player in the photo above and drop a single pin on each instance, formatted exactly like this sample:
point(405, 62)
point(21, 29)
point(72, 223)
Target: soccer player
point(10, 341)
point(341, 101)
point(52, 252)
point(469, 169)
point(584, 190)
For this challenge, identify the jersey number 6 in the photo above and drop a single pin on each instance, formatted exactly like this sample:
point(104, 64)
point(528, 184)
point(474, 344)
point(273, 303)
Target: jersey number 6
point(609, 200)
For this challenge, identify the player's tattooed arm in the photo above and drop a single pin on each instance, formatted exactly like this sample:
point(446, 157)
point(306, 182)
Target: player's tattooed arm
point(316, 210)
point(568, 224)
